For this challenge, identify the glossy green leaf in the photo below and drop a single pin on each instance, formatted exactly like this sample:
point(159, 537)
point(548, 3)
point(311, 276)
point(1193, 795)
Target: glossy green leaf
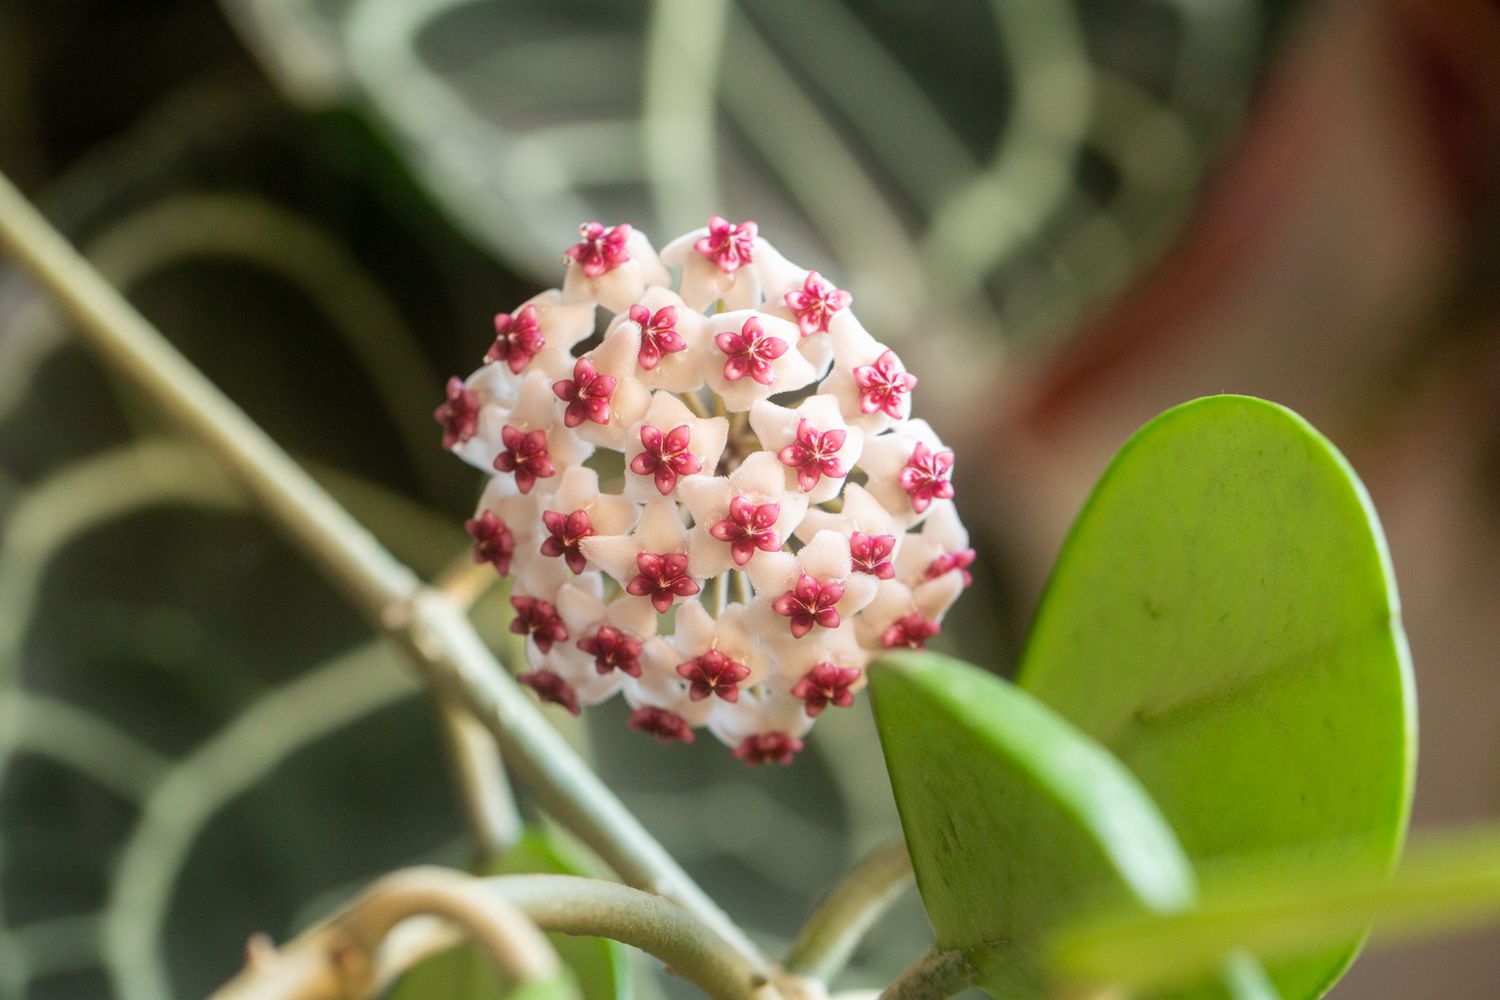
point(597, 968)
point(1445, 884)
point(1015, 821)
point(1223, 617)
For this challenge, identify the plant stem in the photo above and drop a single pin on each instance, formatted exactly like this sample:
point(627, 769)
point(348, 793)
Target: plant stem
point(343, 957)
point(489, 810)
point(442, 642)
point(846, 914)
point(937, 975)
point(572, 905)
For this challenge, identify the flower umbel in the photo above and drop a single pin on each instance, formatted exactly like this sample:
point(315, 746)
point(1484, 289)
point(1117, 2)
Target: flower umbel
point(711, 561)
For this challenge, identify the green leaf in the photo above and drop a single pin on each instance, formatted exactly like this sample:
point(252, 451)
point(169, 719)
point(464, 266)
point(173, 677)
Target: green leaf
point(1223, 617)
point(1015, 821)
point(596, 968)
point(1449, 883)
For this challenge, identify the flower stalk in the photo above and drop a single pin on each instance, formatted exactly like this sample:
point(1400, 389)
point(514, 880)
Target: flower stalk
point(849, 910)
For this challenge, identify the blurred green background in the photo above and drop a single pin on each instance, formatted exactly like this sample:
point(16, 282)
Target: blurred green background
point(1065, 216)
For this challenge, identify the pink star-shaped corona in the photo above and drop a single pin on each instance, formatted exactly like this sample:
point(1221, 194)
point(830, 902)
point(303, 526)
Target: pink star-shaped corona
point(613, 649)
point(662, 578)
point(910, 632)
point(750, 352)
point(526, 456)
point(659, 336)
point(747, 529)
point(587, 394)
point(768, 748)
point(538, 619)
point(809, 604)
point(666, 456)
point(728, 245)
point(667, 726)
point(564, 534)
point(518, 339)
point(493, 541)
point(601, 250)
point(826, 684)
point(550, 687)
point(814, 455)
point(883, 384)
point(926, 476)
point(815, 303)
point(872, 554)
point(459, 414)
point(713, 673)
point(947, 562)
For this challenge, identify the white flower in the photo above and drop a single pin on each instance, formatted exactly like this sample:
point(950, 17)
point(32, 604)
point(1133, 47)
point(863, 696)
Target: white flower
point(909, 469)
point(667, 444)
point(712, 562)
point(737, 516)
point(812, 442)
point(611, 267)
point(714, 262)
point(815, 591)
point(873, 387)
point(752, 358)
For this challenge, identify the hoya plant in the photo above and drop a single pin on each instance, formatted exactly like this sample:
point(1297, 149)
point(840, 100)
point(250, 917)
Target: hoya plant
point(706, 493)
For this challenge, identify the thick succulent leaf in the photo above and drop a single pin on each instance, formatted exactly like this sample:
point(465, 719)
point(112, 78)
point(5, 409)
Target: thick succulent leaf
point(1223, 617)
point(1447, 883)
point(1016, 822)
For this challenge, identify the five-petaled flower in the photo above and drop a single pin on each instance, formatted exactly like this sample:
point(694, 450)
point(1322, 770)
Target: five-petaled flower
point(809, 604)
point(526, 455)
point(667, 726)
point(826, 684)
point(662, 578)
point(927, 476)
point(947, 562)
point(518, 338)
point(564, 534)
point(910, 632)
point(613, 649)
point(768, 748)
point(730, 246)
point(750, 352)
point(883, 385)
point(713, 673)
point(814, 455)
point(587, 394)
point(659, 334)
point(872, 554)
point(748, 529)
point(600, 250)
point(550, 687)
point(815, 303)
point(666, 456)
point(538, 619)
point(459, 413)
point(493, 541)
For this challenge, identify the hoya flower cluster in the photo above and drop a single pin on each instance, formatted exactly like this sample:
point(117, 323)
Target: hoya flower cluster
point(722, 509)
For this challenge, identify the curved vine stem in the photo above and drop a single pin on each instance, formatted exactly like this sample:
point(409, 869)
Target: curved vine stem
point(849, 910)
point(344, 956)
point(356, 952)
point(440, 639)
